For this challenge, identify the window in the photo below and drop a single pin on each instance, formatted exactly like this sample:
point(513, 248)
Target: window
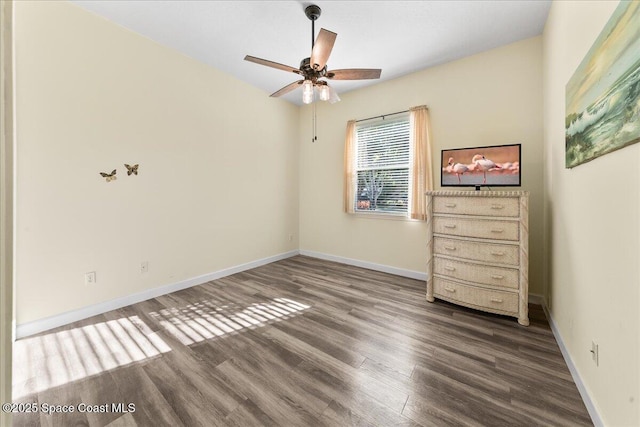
point(387, 165)
point(382, 166)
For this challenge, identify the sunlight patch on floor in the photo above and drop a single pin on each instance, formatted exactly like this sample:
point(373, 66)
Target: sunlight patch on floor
point(54, 359)
point(206, 319)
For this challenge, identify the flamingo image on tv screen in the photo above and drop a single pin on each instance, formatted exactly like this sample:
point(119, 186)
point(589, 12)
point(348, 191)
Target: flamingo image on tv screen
point(492, 166)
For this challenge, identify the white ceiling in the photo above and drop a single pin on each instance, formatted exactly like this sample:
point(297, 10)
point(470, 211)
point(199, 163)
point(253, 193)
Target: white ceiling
point(400, 37)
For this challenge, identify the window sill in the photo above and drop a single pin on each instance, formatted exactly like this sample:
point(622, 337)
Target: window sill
point(381, 215)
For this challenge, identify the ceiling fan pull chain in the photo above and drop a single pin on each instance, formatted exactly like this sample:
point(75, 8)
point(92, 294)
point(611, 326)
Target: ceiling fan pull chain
point(314, 122)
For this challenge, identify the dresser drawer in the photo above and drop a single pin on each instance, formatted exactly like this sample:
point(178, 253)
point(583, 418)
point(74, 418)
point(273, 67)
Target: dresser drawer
point(482, 228)
point(486, 275)
point(486, 299)
point(476, 251)
point(486, 206)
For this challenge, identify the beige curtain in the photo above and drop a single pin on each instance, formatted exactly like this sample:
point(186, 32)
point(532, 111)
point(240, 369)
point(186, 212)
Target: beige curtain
point(422, 176)
point(349, 167)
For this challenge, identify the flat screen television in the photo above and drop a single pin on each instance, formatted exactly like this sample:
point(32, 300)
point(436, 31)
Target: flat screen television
point(491, 166)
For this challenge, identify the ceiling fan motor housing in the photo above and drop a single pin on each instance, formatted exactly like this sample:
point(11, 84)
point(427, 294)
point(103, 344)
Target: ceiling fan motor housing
point(313, 12)
point(309, 72)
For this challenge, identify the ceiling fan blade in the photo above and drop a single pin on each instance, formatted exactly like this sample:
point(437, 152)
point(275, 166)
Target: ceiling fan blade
point(322, 48)
point(271, 64)
point(288, 88)
point(354, 74)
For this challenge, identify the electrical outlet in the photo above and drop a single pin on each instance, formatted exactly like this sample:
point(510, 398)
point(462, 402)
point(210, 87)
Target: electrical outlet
point(594, 352)
point(90, 278)
point(144, 267)
point(291, 237)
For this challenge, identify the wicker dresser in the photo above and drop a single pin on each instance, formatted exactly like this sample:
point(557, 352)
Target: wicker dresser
point(477, 250)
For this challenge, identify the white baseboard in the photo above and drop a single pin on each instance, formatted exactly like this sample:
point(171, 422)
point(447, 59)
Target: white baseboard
point(41, 325)
point(537, 299)
point(591, 408)
point(418, 275)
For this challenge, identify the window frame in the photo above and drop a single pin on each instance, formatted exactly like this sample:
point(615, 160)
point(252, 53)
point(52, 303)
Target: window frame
point(407, 165)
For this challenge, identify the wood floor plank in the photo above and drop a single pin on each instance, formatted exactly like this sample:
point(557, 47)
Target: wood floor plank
point(249, 414)
point(69, 397)
point(126, 420)
point(278, 406)
point(184, 398)
point(338, 415)
point(134, 386)
point(92, 392)
point(300, 342)
point(356, 398)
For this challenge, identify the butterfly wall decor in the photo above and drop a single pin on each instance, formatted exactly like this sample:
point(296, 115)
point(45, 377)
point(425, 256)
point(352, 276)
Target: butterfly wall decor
point(131, 169)
point(109, 176)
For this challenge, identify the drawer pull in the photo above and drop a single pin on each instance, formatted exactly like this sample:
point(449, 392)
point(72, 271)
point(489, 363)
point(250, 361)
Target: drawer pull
point(497, 253)
point(449, 268)
point(496, 276)
point(450, 226)
point(497, 206)
point(450, 248)
point(497, 230)
point(449, 289)
point(450, 205)
point(498, 300)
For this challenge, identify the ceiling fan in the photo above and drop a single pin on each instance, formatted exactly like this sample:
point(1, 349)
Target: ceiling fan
point(314, 68)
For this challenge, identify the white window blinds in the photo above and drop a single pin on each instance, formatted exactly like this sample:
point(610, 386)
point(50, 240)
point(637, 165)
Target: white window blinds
point(382, 166)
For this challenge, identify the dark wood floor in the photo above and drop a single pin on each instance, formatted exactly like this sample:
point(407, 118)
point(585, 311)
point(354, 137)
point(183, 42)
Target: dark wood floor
point(300, 342)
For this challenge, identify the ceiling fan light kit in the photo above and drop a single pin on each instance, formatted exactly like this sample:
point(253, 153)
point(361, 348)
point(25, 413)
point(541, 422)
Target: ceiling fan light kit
point(314, 68)
point(324, 93)
point(307, 92)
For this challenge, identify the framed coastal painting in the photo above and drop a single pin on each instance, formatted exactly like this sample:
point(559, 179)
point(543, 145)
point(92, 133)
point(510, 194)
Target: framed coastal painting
point(603, 95)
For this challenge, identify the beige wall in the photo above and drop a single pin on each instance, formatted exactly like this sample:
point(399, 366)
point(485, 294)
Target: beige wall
point(491, 98)
point(593, 222)
point(6, 206)
point(218, 180)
